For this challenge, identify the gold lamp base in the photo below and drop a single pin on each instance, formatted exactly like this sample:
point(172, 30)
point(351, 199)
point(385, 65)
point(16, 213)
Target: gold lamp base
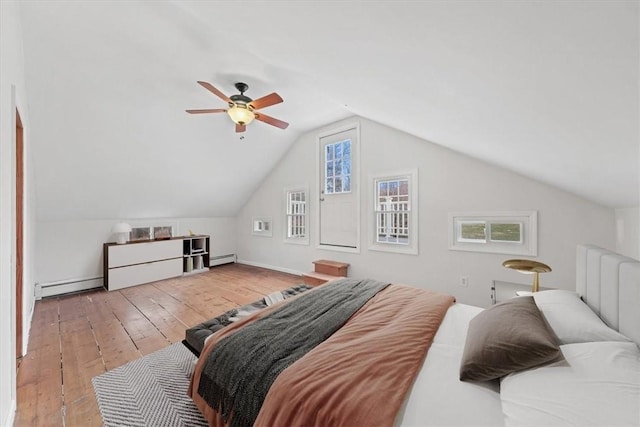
point(536, 282)
point(528, 266)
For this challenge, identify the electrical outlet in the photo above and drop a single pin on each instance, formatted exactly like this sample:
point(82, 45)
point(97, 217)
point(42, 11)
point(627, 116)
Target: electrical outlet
point(464, 281)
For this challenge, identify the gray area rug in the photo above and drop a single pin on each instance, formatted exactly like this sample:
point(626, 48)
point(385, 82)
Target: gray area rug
point(150, 391)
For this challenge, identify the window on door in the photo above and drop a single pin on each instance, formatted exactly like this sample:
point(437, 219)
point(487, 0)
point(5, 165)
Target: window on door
point(338, 167)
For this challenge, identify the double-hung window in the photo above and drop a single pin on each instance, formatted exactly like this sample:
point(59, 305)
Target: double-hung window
point(395, 225)
point(296, 213)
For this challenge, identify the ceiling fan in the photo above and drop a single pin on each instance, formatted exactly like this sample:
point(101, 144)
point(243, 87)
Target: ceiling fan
point(243, 109)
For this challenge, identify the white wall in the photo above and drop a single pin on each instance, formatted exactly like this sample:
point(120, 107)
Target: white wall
point(628, 232)
point(69, 250)
point(12, 95)
point(448, 181)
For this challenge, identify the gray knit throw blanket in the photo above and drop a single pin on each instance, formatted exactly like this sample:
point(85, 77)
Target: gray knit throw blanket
point(241, 367)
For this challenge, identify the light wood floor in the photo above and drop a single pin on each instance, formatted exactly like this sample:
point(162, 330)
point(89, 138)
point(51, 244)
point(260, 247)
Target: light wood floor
point(74, 338)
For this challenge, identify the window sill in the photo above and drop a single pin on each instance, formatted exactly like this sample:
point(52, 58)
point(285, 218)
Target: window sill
point(494, 249)
point(303, 242)
point(396, 249)
point(339, 249)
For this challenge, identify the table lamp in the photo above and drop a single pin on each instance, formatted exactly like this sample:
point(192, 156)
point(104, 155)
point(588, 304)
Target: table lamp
point(528, 266)
point(121, 230)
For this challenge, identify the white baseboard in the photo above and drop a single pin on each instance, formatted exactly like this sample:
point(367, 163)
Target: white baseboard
point(43, 290)
point(27, 329)
point(66, 286)
point(222, 259)
point(270, 267)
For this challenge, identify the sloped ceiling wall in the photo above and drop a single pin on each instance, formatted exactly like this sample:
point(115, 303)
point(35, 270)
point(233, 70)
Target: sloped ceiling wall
point(110, 82)
point(548, 89)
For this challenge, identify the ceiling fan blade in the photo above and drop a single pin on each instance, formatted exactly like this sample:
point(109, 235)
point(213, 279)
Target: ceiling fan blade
point(270, 120)
point(266, 101)
point(205, 111)
point(240, 128)
point(214, 91)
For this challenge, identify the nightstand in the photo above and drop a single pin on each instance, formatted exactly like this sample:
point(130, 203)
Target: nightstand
point(502, 290)
point(524, 293)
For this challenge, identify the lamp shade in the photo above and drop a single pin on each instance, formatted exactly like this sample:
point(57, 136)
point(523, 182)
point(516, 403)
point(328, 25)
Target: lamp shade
point(121, 227)
point(528, 266)
point(120, 230)
point(241, 114)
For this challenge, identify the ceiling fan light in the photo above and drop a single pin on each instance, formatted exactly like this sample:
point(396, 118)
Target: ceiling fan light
point(241, 114)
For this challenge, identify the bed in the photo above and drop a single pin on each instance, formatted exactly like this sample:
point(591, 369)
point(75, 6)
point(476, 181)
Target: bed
point(582, 368)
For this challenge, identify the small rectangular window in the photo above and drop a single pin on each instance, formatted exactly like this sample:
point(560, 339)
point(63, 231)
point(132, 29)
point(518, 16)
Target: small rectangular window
point(296, 216)
point(337, 163)
point(472, 231)
point(497, 232)
point(261, 226)
point(506, 232)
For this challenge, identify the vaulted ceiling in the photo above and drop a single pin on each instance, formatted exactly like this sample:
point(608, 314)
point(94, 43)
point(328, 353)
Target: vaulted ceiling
point(547, 89)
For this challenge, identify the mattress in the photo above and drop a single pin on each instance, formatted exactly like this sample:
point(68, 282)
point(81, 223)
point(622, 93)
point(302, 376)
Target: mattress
point(438, 397)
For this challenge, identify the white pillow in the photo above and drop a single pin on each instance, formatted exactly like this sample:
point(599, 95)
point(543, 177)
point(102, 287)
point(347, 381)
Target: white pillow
point(597, 384)
point(572, 320)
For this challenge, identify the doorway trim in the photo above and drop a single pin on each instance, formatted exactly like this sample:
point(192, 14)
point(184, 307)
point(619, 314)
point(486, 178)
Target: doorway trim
point(19, 233)
point(345, 127)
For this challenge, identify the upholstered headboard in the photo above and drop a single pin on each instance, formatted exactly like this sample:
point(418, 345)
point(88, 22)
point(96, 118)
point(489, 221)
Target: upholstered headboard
point(610, 284)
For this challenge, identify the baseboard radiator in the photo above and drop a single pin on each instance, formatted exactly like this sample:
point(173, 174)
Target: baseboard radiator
point(61, 287)
point(222, 259)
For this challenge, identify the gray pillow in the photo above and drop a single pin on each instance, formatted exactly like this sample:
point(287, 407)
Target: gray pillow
point(508, 337)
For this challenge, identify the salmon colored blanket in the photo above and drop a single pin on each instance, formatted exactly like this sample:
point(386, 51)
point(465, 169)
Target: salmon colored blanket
point(360, 375)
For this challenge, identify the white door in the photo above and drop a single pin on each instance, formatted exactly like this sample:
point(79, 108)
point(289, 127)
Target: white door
point(338, 189)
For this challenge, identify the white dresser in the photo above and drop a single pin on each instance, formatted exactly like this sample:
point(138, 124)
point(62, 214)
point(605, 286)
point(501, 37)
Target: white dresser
point(142, 262)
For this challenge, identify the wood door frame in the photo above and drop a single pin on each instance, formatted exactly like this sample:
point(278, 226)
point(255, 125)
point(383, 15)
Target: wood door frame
point(19, 231)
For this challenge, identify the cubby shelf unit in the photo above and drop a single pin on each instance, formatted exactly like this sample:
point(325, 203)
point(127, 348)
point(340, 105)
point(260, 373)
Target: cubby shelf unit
point(195, 254)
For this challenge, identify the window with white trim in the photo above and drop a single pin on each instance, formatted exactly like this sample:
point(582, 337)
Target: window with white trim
point(296, 213)
point(497, 232)
point(395, 216)
point(490, 231)
point(261, 226)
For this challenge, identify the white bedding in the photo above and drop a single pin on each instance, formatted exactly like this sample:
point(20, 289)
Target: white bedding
point(438, 397)
point(598, 384)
